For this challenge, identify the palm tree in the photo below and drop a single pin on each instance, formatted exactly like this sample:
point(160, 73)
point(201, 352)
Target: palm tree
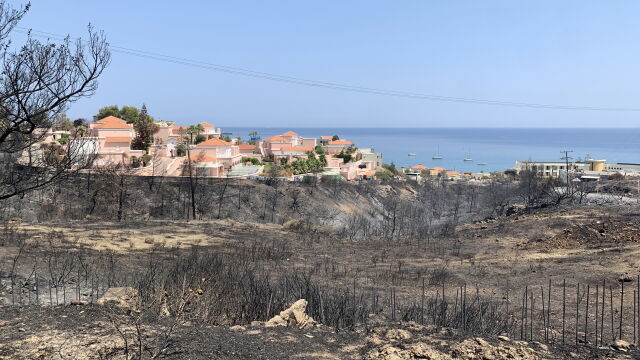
point(195, 129)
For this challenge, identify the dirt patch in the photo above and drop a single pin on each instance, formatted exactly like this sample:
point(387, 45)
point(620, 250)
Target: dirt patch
point(84, 332)
point(597, 234)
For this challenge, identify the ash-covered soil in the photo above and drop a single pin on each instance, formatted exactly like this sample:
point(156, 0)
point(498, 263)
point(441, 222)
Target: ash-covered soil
point(85, 332)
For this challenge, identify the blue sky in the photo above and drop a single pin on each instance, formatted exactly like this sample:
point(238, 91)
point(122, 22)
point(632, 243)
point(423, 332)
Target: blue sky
point(558, 52)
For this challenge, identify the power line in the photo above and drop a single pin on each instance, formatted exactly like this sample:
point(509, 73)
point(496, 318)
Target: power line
point(329, 85)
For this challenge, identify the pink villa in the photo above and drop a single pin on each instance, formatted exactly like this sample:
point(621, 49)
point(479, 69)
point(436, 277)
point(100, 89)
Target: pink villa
point(222, 151)
point(275, 144)
point(334, 147)
point(113, 136)
point(210, 131)
point(248, 150)
point(291, 153)
point(203, 165)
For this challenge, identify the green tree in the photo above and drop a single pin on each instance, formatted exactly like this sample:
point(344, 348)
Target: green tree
point(335, 137)
point(79, 122)
point(199, 138)
point(195, 131)
point(323, 160)
point(111, 110)
point(344, 156)
point(130, 114)
point(319, 150)
point(252, 160)
point(391, 168)
point(64, 139)
point(145, 128)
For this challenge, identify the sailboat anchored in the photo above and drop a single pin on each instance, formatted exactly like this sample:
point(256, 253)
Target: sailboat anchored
point(468, 158)
point(437, 156)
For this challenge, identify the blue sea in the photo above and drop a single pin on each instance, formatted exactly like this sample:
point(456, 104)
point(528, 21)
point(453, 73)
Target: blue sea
point(499, 148)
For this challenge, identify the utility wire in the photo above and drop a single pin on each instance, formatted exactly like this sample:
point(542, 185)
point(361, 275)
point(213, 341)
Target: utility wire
point(329, 85)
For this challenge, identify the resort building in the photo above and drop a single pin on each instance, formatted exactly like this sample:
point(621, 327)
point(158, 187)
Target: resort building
point(113, 136)
point(248, 150)
point(548, 168)
point(589, 169)
point(291, 153)
point(335, 147)
point(221, 151)
point(210, 130)
point(203, 166)
point(368, 154)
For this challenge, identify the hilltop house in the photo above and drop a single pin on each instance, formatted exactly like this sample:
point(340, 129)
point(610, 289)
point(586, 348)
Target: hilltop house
point(368, 154)
point(210, 130)
point(274, 144)
point(113, 136)
point(203, 165)
point(291, 153)
point(222, 151)
point(335, 147)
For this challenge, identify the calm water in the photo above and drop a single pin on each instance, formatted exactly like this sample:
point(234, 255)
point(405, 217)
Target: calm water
point(499, 148)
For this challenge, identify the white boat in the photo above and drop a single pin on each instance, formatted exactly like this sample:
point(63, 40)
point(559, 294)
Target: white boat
point(411, 154)
point(482, 163)
point(468, 158)
point(437, 156)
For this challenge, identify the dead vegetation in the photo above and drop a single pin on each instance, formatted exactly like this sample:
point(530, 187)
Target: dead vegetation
point(436, 254)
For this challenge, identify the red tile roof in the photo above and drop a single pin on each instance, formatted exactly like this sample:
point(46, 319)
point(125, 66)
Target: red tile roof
point(277, 138)
point(206, 124)
point(294, 148)
point(419, 167)
point(113, 125)
point(204, 158)
point(326, 137)
point(111, 119)
point(200, 158)
point(290, 133)
point(453, 173)
point(117, 139)
point(340, 142)
point(246, 147)
point(437, 168)
point(214, 142)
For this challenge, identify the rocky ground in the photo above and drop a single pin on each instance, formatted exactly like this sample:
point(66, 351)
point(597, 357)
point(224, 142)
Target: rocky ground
point(86, 332)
